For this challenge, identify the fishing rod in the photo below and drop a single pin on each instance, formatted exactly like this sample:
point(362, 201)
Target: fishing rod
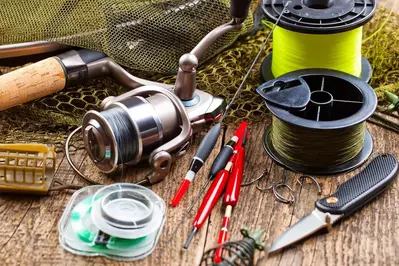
point(211, 133)
point(218, 125)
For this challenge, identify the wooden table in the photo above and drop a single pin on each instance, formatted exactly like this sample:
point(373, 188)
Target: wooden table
point(29, 235)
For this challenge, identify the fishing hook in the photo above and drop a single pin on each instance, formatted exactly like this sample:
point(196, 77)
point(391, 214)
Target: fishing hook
point(299, 180)
point(263, 174)
point(281, 198)
point(266, 188)
point(275, 186)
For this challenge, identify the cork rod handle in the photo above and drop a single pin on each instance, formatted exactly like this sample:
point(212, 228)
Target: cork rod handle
point(31, 82)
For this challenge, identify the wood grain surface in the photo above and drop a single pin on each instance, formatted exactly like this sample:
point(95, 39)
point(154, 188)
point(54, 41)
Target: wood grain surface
point(29, 234)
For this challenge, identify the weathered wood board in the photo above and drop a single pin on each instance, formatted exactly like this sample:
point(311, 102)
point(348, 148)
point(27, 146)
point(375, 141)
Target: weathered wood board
point(29, 235)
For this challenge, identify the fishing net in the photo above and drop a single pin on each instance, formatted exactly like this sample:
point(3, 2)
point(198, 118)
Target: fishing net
point(143, 35)
point(49, 119)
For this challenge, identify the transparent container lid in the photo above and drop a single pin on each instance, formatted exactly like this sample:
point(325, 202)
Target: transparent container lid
point(120, 221)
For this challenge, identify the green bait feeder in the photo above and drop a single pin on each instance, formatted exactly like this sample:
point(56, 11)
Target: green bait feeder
point(120, 221)
point(318, 34)
point(328, 135)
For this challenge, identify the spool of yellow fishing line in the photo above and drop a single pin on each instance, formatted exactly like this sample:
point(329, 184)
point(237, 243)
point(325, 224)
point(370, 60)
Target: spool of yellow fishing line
point(318, 34)
point(327, 134)
point(294, 51)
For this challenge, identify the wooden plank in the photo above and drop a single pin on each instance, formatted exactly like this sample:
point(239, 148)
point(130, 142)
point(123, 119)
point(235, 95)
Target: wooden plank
point(32, 234)
point(365, 234)
point(35, 218)
point(29, 234)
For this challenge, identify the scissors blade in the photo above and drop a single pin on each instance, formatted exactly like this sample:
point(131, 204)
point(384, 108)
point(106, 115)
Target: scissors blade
point(307, 226)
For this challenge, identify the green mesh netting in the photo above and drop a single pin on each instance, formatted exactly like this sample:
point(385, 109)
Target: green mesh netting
point(49, 119)
point(146, 35)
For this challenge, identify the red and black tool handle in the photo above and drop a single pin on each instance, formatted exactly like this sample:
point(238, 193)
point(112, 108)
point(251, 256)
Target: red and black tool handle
point(362, 188)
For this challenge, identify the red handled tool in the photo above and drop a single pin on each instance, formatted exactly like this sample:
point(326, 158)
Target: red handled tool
point(210, 199)
point(231, 196)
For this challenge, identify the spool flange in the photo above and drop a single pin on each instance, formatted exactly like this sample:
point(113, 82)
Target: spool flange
point(319, 17)
point(353, 102)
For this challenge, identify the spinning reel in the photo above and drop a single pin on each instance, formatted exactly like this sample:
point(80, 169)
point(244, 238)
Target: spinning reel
point(154, 121)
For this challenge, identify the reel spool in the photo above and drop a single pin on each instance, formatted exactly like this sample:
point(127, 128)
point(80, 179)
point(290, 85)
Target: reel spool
point(318, 34)
point(328, 136)
point(133, 127)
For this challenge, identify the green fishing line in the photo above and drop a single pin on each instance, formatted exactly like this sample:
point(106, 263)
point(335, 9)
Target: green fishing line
point(88, 235)
point(319, 148)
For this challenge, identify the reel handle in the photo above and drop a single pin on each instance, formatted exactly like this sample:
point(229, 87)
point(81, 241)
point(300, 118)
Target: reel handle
point(31, 82)
point(185, 84)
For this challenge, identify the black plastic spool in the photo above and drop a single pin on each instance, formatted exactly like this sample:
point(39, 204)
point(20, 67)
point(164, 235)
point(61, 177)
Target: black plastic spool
point(319, 17)
point(353, 101)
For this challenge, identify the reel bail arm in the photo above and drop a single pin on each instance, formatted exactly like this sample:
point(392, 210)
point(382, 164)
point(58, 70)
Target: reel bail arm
point(185, 85)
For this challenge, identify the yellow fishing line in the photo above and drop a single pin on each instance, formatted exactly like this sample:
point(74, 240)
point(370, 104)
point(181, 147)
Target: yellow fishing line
point(294, 51)
point(383, 24)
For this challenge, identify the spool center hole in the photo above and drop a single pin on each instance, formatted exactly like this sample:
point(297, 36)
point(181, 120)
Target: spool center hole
point(127, 207)
point(318, 4)
point(321, 97)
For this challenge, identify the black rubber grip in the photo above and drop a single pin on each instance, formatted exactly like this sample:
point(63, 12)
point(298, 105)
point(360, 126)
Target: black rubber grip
point(239, 8)
point(362, 188)
point(208, 142)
